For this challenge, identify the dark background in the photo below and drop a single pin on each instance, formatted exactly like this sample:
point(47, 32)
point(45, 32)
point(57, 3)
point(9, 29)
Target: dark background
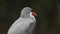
point(48, 19)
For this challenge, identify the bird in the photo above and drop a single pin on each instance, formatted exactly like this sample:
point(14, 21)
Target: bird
point(25, 24)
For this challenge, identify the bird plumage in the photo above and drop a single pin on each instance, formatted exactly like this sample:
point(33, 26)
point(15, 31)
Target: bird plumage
point(24, 24)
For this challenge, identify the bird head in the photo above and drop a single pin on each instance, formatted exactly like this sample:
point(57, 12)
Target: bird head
point(27, 12)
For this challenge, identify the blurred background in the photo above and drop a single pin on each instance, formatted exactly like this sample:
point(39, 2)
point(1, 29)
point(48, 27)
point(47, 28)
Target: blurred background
point(48, 19)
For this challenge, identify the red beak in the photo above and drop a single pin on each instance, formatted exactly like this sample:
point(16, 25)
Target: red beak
point(34, 13)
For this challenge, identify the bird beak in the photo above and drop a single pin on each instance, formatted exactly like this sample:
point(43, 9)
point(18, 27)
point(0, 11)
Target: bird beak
point(34, 13)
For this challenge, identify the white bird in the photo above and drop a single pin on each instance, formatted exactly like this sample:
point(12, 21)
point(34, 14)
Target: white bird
point(25, 24)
